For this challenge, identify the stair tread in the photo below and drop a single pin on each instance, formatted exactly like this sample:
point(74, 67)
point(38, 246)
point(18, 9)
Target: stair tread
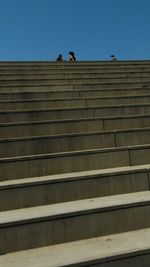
point(74, 98)
point(99, 249)
point(75, 153)
point(71, 208)
point(72, 176)
point(21, 82)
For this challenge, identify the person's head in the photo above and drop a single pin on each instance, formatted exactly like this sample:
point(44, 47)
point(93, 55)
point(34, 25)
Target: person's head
point(71, 53)
point(59, 58)
point(72, 56)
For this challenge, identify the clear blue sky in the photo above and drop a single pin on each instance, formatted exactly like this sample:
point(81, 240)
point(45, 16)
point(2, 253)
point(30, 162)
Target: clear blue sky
point(94, 29)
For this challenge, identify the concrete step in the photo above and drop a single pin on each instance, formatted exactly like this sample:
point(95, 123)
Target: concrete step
point(77, 75)
point(20, 129)
point(72, 102)
point(72, 81)
point(62, 143)
point(57, 163)
point(71, 221)
point(68, 126)
point(74, 70)
point(77, 64)
point(23, 146)
point(126, 122)
point(73, 93)
point(29, 192)
point(73, 113)
point(117, 250)
point(58, 141)
point(65, 86)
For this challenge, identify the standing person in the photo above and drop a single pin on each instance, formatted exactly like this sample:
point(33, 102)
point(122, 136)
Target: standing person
point(72, 56)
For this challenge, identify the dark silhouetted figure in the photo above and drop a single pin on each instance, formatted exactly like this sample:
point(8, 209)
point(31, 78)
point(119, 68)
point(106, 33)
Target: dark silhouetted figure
point(59, 58)
point(72, 56)
point(113, 58)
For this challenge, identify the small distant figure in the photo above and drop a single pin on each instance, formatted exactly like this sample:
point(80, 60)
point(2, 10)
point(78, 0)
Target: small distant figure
point(59, 58)
point(113, 58)
point(72, 56)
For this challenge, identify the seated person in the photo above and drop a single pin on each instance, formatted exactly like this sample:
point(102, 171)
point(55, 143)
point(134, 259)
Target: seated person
point(59, 58)
point(113, 58)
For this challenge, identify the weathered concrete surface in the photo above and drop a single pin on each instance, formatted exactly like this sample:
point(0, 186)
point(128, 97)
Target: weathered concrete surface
point(72, 93)
point(21, 129)
point(63, 162)
point(73, 113)
point(74, 74)
point(72, 101)
point(126, 122)
point(63, 126)
point(74, 186)
point(72, 142)
point(70, 221)
point(66, 86)
point(118, 250)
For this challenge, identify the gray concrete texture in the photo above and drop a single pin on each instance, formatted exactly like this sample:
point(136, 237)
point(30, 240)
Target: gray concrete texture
point(70, 221)
point(68, 126)
point(65, 86)
point(73, 69)
point(72, 113)
point(63, 162)
point(73, 142)
point(125, 249)
point(73, 102)
point(72, 93)
point(70, 187)
point(68, 81)
point(62, 126)
point(53, 78)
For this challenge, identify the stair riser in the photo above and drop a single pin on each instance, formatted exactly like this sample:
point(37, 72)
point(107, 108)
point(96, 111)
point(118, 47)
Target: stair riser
point(66, 75)
point(37, 115)
point(126, 123)
point(41, 158)
point(72, 227)
point(140, 258)
point(72, 143)
point(62, 164)
point(73, 65)
point(50, 128)
point(74, 162)
point(71, 81)
point(29, 195)
point(52, 145)
point(37, 129)
point(63, 94)
point(73, 103)
point(74, 71)
point(94, 86)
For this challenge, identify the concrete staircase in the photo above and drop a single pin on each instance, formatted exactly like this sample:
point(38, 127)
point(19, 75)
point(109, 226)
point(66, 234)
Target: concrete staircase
point(75, 164)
